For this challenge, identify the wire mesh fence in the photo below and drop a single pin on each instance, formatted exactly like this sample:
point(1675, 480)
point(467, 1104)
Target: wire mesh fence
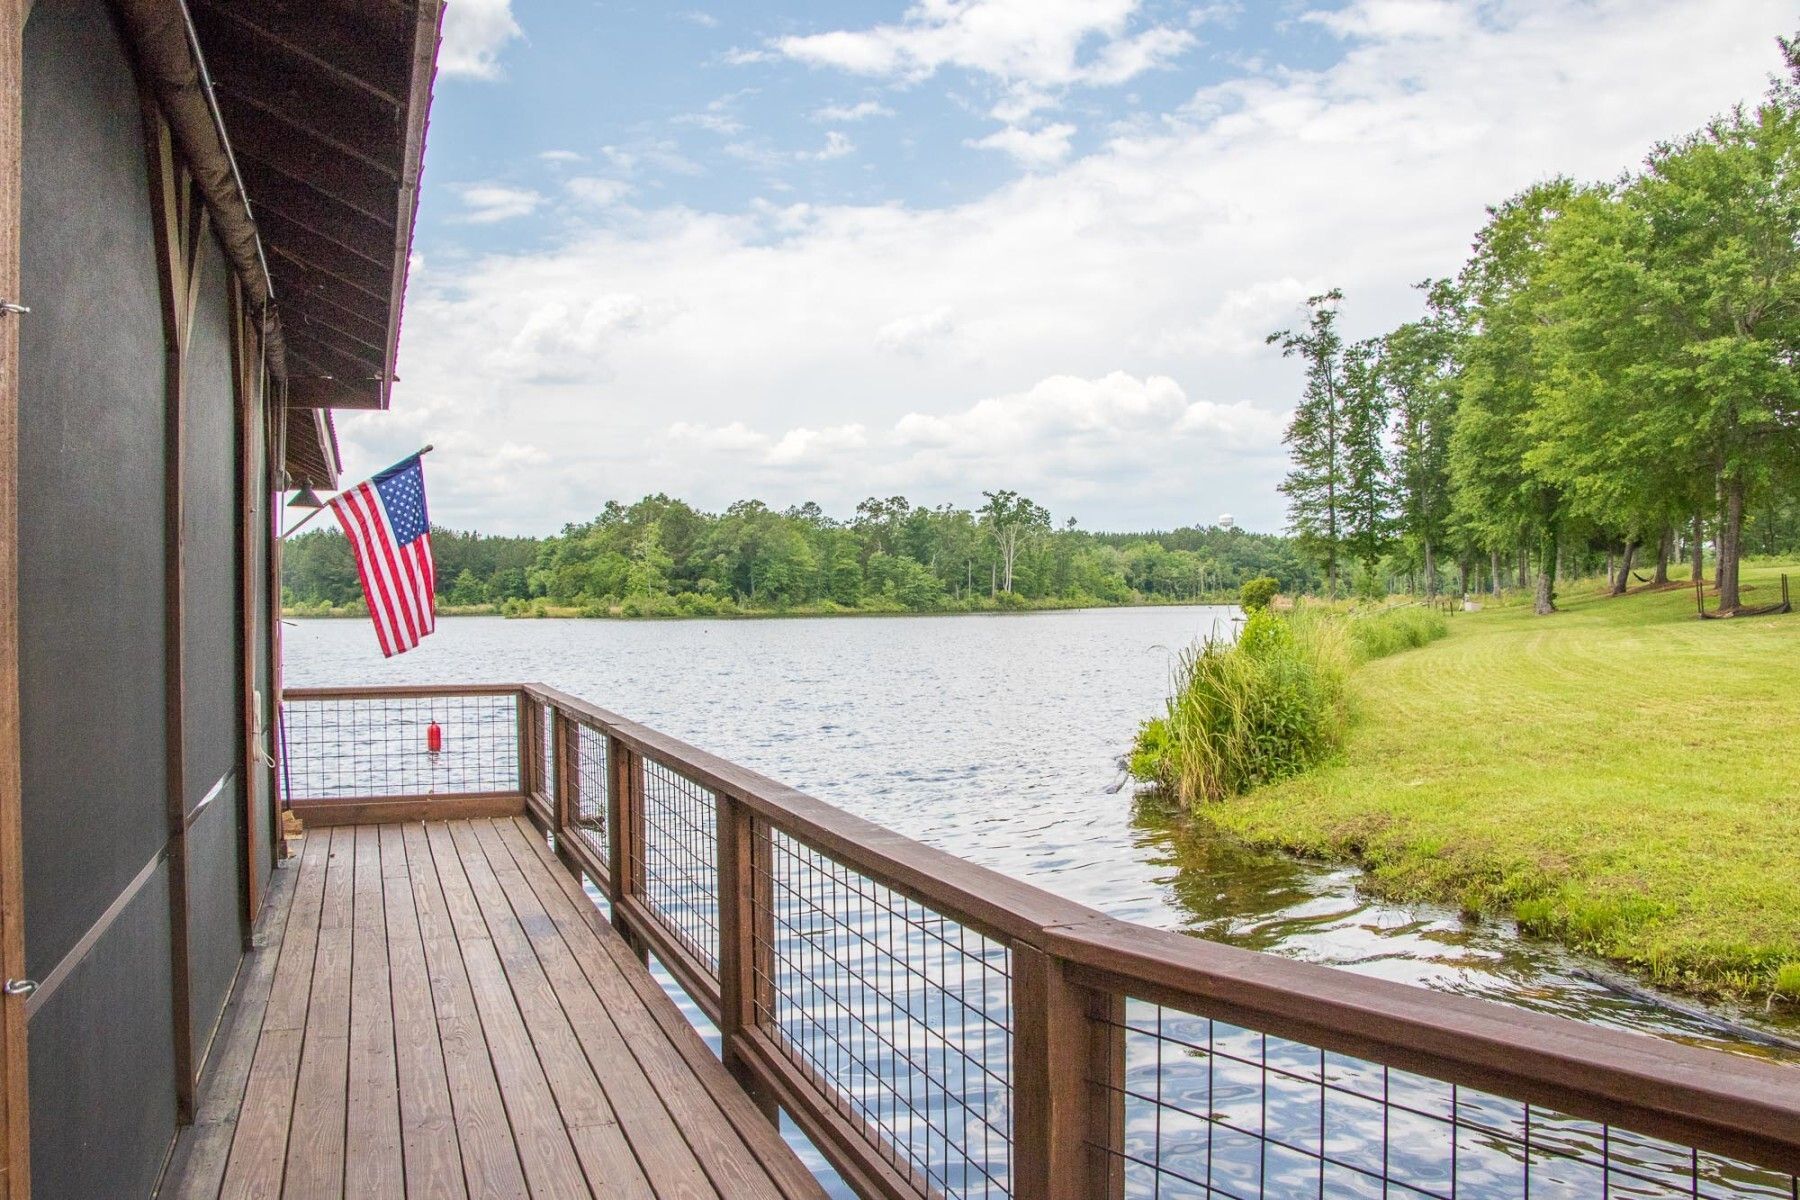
point(1216, 1110)
point(676, 858)
point(592, 781)
point(344, 749)
point(901, 1013)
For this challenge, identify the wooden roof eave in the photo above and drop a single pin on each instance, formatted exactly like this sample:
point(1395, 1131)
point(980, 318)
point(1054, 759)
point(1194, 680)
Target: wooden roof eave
point(426, 35)
point(168, 53)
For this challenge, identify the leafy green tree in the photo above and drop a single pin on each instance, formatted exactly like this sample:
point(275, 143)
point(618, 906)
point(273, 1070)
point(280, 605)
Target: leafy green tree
point(1502, 495)
point(1012, 521)
point(1315, 484)
point(1367, 501)
point(1418, 371)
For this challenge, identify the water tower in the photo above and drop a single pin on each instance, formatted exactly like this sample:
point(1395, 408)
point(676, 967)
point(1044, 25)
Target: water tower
point(1226, 521)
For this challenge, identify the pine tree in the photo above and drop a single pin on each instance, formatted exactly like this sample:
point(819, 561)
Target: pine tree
point(1315, 436)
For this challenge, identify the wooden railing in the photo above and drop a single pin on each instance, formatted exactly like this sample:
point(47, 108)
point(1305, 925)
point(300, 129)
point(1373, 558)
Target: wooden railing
point(939, 1029)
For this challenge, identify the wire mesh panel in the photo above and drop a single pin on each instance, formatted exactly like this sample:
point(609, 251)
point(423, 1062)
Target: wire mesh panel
point(902, 1015)
point(1214, 1110)
point(587, 816)
point(341, 749)
point(676, 860)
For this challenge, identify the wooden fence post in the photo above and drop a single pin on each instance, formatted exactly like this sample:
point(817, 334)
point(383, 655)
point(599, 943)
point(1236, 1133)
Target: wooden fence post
point(565, 788)
point(745, 928)
point(624, 826)
point(1067, 1074)
point(531, 745)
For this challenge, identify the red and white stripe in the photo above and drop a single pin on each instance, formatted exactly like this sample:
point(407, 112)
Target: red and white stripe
point(398, 581)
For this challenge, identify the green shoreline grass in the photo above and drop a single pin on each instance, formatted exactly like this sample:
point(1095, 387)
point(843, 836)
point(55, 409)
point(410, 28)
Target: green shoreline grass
point(1620, 775)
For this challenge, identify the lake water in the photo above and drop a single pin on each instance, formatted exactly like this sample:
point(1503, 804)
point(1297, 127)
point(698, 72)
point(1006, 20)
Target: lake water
point(996, 738)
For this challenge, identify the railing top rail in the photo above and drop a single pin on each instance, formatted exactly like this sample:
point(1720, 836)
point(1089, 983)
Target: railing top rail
point(1726, 1103)
point(401, 691)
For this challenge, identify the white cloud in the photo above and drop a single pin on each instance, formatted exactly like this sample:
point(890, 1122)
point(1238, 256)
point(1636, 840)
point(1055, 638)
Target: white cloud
point(475, 32)
point(1029, 147)
point(597, 191)
point(487, 203)
point(860, 111)
point(560, 156)
point(916, 333)
point(1089, 331)
point(1041, 42)
point(703, 19)
point(837, 145)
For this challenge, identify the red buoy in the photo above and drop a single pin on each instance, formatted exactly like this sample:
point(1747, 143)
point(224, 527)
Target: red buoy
point(434, 738)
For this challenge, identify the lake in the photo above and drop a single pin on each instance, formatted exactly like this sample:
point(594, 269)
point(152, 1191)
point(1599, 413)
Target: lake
point(996, 738)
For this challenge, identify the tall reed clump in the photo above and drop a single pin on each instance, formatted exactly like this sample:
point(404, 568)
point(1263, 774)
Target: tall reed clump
point(1391, 630)
point(1249, 712)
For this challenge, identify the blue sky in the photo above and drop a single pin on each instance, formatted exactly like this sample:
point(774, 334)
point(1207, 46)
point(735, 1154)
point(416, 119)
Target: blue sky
point(817, 252)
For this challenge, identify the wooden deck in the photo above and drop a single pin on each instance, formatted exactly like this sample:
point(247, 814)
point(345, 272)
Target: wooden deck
point(437, 1010)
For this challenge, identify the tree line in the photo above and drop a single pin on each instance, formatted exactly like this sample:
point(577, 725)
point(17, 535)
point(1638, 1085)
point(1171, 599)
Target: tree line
point(1614, 369)
point(663, 556)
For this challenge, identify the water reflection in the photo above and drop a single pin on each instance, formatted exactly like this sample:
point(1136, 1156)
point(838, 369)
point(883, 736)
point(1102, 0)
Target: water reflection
point(1232, 893)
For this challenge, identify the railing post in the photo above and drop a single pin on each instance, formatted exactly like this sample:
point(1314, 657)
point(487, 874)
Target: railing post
point(745, 929)
point(565, 791)
point(1066, 1118)
point(531, 770)
point(625, 823)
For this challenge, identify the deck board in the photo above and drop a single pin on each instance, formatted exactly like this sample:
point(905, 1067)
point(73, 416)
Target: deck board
point(439, 1012)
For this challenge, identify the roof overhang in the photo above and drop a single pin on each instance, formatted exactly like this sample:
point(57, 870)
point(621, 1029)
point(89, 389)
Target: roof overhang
point(303, 124)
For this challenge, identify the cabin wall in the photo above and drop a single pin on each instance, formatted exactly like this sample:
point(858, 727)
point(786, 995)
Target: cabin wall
point(211, 657)
point(91, 616)
point(116, 868)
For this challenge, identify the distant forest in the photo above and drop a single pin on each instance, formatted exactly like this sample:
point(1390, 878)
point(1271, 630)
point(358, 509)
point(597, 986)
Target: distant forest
point(662, 556)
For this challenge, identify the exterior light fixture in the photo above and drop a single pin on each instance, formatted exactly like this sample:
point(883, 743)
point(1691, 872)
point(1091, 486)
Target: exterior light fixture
point(306, 498)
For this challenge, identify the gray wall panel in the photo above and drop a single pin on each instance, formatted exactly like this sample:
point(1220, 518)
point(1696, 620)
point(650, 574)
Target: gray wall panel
point(211, 668)
point(102, 1061)
point(215, 938)
point(91, 483)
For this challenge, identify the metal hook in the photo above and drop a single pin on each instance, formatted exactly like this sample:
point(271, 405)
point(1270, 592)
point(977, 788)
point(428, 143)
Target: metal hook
point(20, 987)
point(7, 306)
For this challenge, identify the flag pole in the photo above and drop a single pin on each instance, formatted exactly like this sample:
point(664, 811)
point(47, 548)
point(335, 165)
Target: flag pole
point(315, 512)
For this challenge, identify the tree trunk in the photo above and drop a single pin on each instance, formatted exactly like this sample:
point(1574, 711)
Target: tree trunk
point(1462, 571)
point(1524, 566)
point(1544, 602)
point(1430, 570)
point(1665, 549)
point(1731, 535)
point(1699, 550)
point(1624, 579)
point(1494, 572)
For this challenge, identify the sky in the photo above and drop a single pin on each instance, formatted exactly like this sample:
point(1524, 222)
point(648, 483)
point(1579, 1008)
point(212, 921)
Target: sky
point(799, 252)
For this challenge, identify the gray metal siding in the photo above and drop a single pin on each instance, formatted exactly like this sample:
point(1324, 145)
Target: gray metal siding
point(91, 482)
point(102, 1061)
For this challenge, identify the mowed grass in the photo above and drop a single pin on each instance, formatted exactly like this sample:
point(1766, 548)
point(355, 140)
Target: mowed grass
point(1620, 775)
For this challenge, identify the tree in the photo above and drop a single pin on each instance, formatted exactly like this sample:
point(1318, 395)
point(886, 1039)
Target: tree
point(1012, 520)
point(1367, 502)
point(1418, 372)
point(1502, 496)
point(1315, 435)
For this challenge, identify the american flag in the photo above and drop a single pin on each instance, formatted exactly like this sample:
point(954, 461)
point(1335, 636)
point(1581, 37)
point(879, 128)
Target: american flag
point(390, 535)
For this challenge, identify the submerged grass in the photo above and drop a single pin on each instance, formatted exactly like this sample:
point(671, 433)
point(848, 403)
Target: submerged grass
point(1619, 775)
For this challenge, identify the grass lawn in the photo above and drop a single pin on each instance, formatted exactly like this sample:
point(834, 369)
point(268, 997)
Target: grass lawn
point(1620, 775)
